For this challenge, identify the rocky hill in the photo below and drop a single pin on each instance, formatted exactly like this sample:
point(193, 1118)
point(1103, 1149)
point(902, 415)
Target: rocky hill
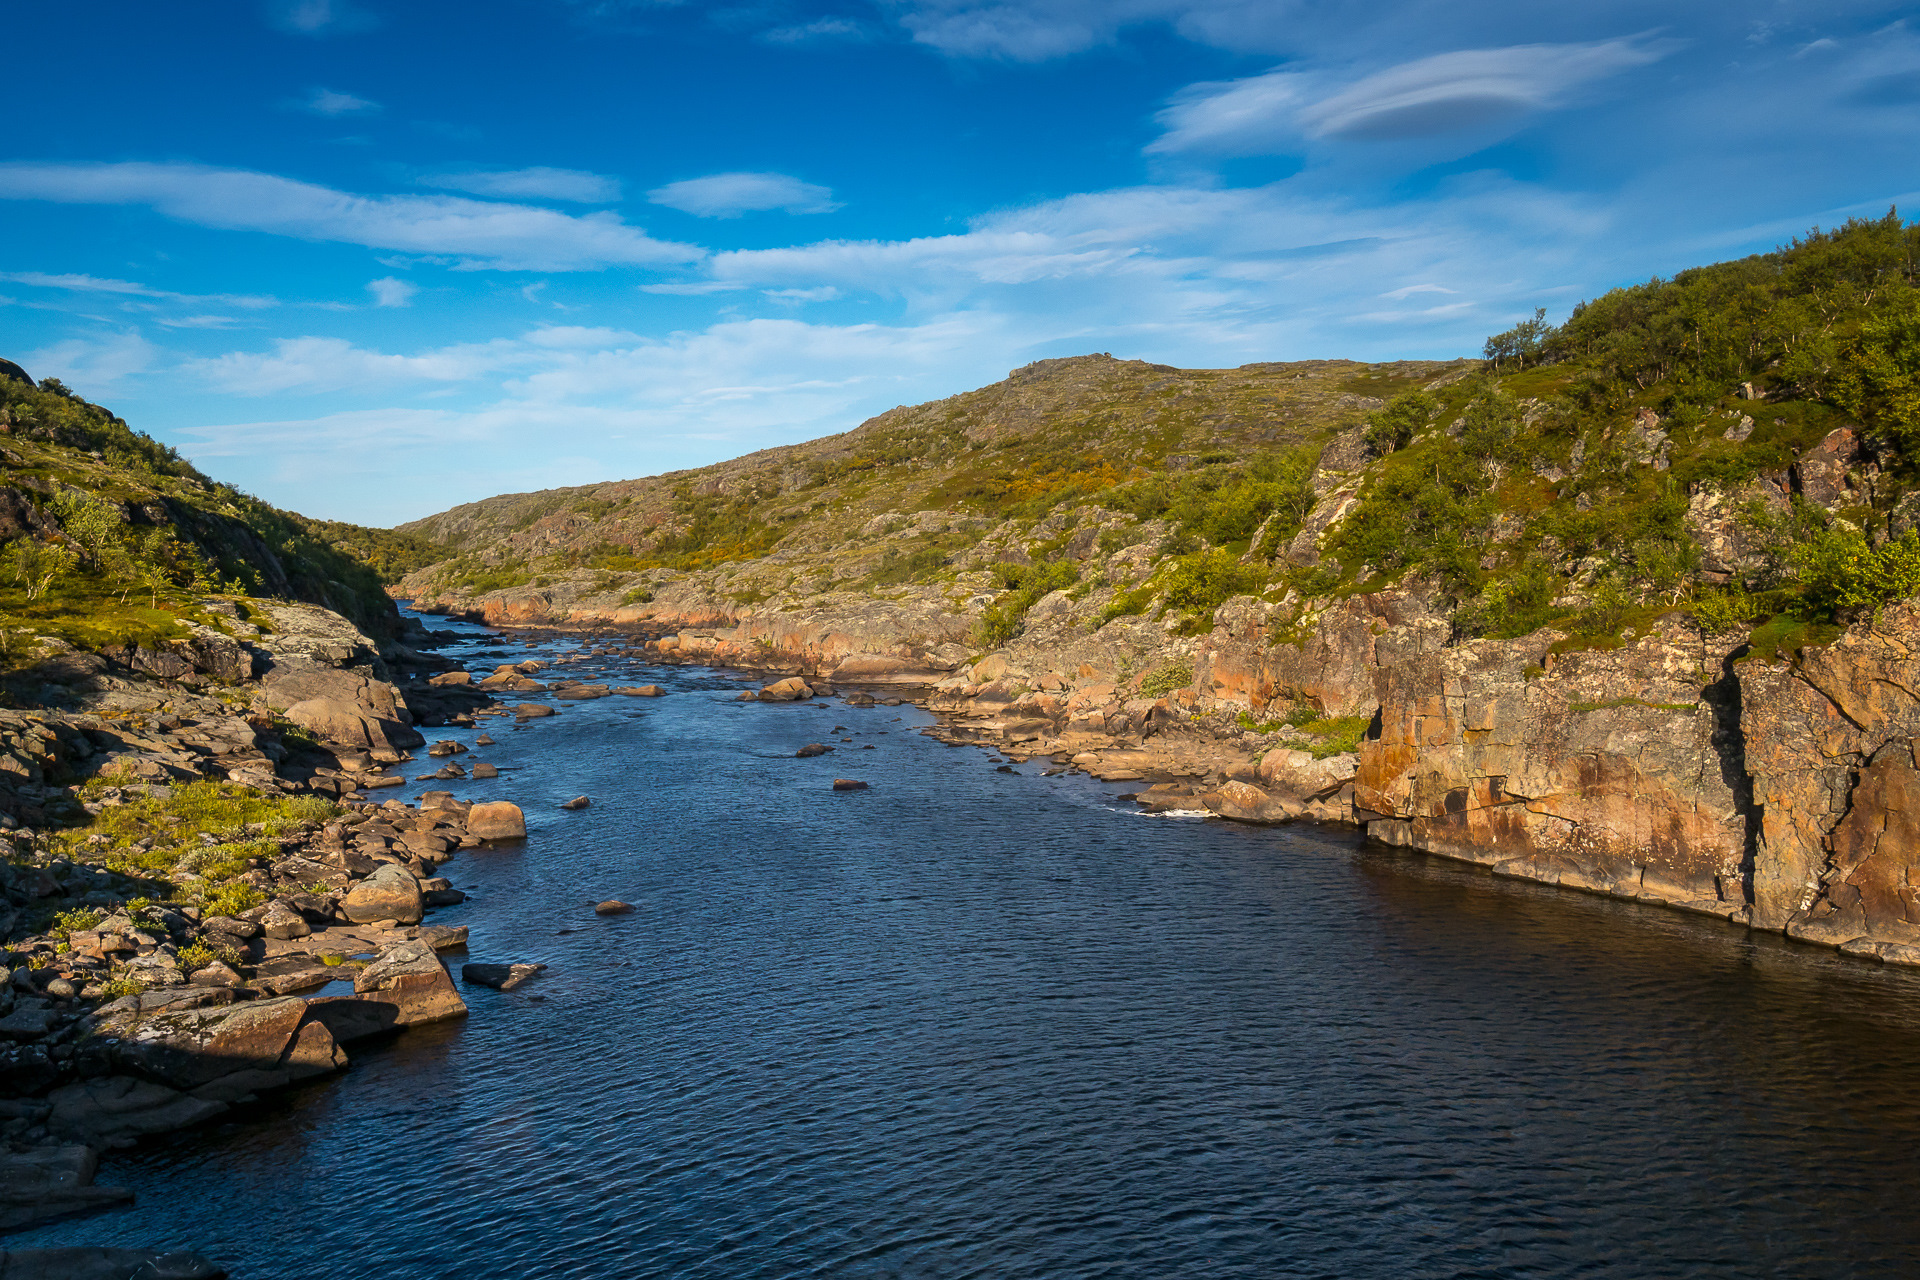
point(1619, 607)
point(96, 516)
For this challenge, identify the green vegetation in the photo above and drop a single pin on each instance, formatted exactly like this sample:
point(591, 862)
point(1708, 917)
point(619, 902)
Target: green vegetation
point(128, 516)
point(1160, 683)
point(214, 830)
point(1025, 585)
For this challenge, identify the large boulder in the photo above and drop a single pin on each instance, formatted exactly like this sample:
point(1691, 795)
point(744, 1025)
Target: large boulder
point(343, 707)
point(390, 893)
point(409, 977)
point(496, 820)
point(792, 689)
point(267, 1043)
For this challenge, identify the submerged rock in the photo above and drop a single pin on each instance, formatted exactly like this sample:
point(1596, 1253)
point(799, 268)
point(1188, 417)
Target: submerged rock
point(613, 907)
point(848, 784)
point(501, 977)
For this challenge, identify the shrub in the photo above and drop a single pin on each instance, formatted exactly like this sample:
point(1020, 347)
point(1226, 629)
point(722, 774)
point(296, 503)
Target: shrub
point(70, 922)
point(1160, 683)
point(232, 899)
point(1394, 426)
point(1004, 618)
point(1839, 577)
point(1514, 605)
point(1201, 583)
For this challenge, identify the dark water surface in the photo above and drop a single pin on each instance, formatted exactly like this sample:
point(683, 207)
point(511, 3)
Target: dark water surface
point(973, 1024)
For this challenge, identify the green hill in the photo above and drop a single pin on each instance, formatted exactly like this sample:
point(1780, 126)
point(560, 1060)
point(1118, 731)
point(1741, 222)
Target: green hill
point(110, 536)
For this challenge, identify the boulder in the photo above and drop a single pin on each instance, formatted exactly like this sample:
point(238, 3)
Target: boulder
point(643, 691)
point(481, 769)
point(613, 907)
point(578, 802)
point(390, 893)
point(409, 977)
point(848, 784)
point(496, 820)
point(812, 749)
point(532, 711)
point(283, 922)
point(501, 977)
point(792, 689)
point(451, 678)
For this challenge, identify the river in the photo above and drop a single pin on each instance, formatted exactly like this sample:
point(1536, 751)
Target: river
point(981, 1024)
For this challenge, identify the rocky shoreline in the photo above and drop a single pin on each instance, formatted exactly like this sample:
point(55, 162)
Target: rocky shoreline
point(1680, 768)
point(130, 1018)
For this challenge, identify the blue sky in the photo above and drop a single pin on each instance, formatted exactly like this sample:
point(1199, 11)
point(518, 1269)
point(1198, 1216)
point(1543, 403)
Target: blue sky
point(368, 259)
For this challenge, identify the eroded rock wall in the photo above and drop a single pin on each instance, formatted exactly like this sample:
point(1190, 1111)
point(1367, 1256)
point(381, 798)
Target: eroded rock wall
point(1605, 771)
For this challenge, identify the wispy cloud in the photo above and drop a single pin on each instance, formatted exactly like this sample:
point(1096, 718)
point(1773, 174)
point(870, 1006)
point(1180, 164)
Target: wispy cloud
point(332, 102)
point(310, 365)
point(728, 195)
point(1447, 93)
point(819, 31)
point(538, 183)
point(390, 292)
point(93, 363)
point(476, 234)
point(78, 283)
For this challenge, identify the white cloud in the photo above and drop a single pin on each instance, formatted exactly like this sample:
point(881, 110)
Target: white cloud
point(728, 195)
point(92, 365)
point(331, 102)
point(538, 183)
point(478, 234)
point(1409, 290)
point(389, 292)
point(1466, 90)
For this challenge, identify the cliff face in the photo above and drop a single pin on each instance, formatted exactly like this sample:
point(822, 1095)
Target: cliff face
point(1830, 747)
point(1608, 771)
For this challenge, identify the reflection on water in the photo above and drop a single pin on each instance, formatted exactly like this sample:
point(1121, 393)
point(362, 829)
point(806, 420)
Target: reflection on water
point(976, 1024)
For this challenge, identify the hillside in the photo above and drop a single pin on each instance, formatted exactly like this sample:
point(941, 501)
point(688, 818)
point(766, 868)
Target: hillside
point(1624, 606)
point(111, 537)
point(1590, 476)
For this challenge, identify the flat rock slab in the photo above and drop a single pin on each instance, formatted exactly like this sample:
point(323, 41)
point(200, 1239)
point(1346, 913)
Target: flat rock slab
point(849, 784)
point(501, 977)
point(642, 691)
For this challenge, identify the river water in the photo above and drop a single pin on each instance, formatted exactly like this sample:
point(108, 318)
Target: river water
point(970, 1023)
